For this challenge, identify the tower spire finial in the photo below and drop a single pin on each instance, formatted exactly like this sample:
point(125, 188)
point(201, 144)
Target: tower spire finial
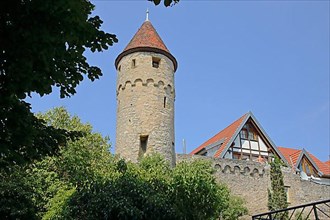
point(147, 15)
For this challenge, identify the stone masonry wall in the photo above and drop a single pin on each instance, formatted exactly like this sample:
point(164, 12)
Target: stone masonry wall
point(145, 106)
point(250, 180)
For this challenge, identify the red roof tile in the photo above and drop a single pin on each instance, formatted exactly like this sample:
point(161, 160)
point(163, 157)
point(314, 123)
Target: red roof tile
point(146, 39)
point(294, 155)
point(146, 36)
point(291, 155)
point(226, 134)
point(327, 164)
point(322, 166)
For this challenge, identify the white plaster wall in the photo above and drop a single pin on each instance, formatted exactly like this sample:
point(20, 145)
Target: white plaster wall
point(237, 141)
point(263, 146)
point(245, 144)
point(254, 145)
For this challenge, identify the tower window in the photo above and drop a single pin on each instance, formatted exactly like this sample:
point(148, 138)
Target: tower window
point(119, 68)
point(143, 145)
point(165, 102)
point(155, 62)
point(287, 192)
point(133, 63)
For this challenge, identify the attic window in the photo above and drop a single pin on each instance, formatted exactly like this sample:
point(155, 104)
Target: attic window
point(155, 62)
point(133, 63)
point(244, 134)
point(253, 134)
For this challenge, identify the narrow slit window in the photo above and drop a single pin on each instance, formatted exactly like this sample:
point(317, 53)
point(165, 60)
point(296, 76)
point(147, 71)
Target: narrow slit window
point(287, 192)
point(133, 63)
point(143, 145)
point(119, 68)
point(155, 62)
point(165, 102)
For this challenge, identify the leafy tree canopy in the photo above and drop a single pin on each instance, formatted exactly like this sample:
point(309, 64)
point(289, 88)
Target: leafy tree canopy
point(140, 192)
point(41, 47)
point(166, 2)
point(39, 189)
point(85, 181)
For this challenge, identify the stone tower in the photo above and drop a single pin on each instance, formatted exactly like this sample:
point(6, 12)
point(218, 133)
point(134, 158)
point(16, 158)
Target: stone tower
point(145, 97)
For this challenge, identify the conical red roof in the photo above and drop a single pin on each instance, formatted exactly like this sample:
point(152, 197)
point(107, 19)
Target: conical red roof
point(146, 36)
point(146, 39)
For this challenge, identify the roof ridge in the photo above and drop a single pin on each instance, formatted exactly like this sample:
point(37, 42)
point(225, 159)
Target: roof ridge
point(236, 121)
point(210, 140)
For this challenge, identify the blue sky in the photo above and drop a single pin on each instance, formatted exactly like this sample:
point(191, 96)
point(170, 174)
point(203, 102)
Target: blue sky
point(268, 57)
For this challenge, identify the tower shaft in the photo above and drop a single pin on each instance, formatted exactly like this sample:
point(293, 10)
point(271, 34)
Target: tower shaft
point(145, 99)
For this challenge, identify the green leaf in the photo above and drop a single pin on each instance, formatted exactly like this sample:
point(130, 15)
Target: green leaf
point(167, 2)
point(156, 2)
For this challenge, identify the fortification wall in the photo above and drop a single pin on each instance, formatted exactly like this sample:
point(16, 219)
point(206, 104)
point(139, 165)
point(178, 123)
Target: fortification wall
point(250, 180)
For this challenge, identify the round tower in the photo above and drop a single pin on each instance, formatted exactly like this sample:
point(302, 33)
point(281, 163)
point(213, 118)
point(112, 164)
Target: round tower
point(145, 97)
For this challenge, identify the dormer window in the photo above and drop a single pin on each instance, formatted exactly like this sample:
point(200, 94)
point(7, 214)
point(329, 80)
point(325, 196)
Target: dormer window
point(155, 62)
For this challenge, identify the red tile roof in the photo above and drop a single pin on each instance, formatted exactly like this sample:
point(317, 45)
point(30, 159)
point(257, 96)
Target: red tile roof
point(146, 36)
point(291, 155)
point(226, 134)
point(294, 155)
point(146, 39)
point(322, 166)
point(327, 163)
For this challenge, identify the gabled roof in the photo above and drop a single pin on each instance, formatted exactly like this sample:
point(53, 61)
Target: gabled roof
point(323, 167)
point(291, 155)
point(295, 156)
point(224, 136)
point(146, 39)
point(229, 134)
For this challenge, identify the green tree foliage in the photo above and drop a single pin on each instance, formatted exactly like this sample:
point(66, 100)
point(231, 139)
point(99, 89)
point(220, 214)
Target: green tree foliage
point(42, 187)
point(128, 196)
point(194, 186)
point(166, 2)
point(236, 208)
point(85, 158)
point(58, 203)
point(42, 46)
point(152, 190)
point(277, 198)
point(85, 181)
point(16, 195)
